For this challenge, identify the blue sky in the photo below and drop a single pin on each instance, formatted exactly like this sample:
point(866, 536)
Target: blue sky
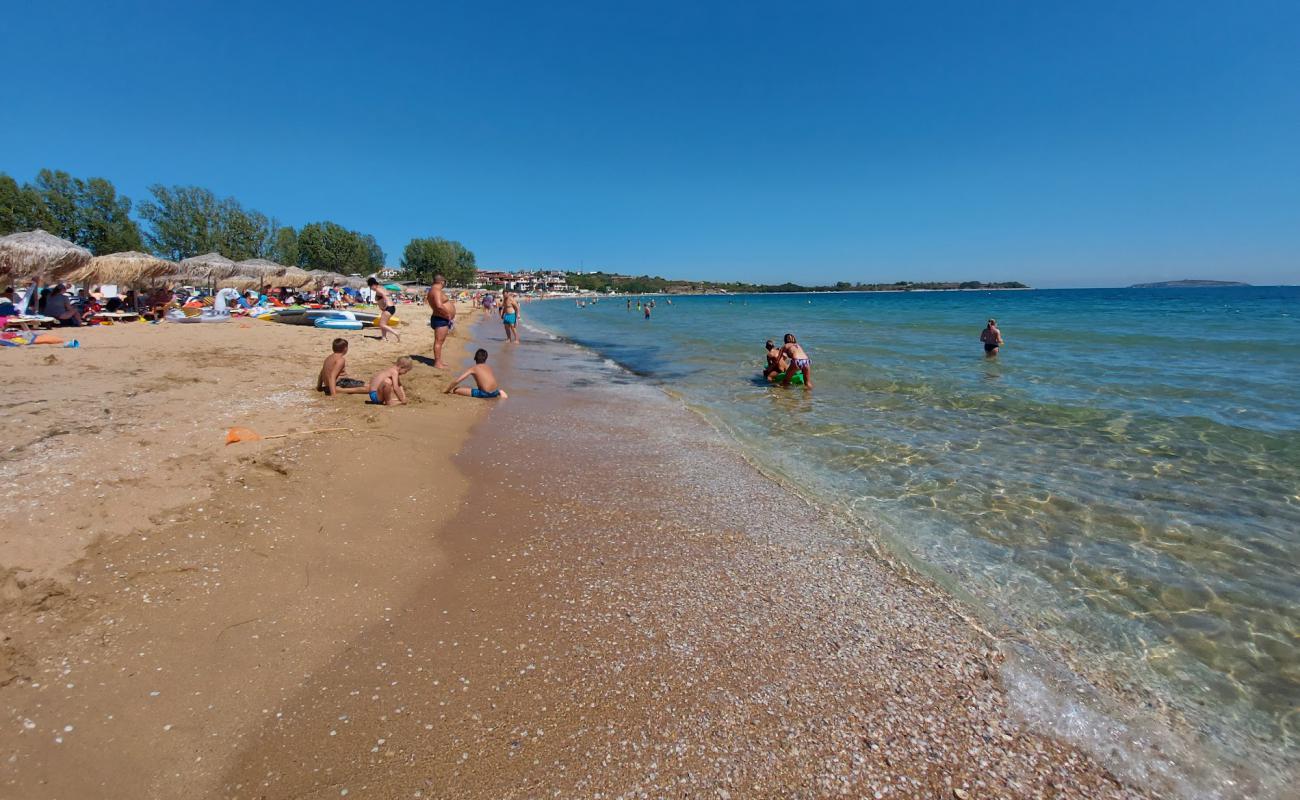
point(1063, 144)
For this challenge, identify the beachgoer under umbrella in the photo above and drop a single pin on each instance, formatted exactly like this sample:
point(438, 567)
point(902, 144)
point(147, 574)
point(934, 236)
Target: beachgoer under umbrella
point(59, 306)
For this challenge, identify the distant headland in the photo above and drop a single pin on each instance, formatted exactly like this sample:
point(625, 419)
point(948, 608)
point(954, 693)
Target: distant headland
point(628, 284)
point(1183, 284)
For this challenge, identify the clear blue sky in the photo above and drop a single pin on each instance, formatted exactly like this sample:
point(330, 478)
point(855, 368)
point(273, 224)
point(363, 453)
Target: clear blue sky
point(1063, 144)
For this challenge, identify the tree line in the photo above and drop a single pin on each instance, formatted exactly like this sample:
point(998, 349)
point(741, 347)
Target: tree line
point(646, 284)
point(184, 221)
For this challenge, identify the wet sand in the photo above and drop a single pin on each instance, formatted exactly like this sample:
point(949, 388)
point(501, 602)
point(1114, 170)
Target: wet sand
point(576, 604)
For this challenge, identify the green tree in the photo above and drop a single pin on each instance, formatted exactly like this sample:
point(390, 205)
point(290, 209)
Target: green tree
point(21, 208)
point(284, 246)
point(88, 212)
point(60, 193)
point(374, 253)
point(183, 221)
point(330, 246)
point(106, 225)
point(187, 221)
point(424, 258)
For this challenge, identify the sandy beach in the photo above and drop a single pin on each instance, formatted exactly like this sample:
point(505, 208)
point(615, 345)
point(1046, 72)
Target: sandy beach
point(452, 599)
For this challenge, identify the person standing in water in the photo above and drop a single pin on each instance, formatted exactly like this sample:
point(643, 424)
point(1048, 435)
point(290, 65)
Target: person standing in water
point(646, 308)
point(386, 309)
point(798, 361)
point(444, 314)
point(992, 338)
point(510, 316)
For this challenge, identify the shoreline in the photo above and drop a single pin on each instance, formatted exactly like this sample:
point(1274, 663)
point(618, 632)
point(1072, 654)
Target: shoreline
point(563, 606)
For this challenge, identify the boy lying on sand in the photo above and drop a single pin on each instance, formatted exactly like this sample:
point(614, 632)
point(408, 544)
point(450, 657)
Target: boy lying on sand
point(487, 387)
point(386, 387)
point(333, 375)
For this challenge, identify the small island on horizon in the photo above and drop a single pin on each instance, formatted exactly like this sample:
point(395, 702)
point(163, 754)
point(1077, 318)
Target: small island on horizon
point(1184, 284)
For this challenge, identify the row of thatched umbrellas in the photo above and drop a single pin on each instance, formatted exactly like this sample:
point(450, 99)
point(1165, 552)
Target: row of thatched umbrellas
point(40, 254)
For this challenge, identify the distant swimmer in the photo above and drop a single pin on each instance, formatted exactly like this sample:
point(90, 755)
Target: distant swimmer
point(799, 362)
point(510, 316)
point(992, 338)
point(646, 308)
point(486, 387)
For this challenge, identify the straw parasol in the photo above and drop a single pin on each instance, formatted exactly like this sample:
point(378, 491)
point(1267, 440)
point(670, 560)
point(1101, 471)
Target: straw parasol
point(240, 282)
point(127, 268)
point(260, 268)
point(294, 278)
point(212, 266)
point(39, 253)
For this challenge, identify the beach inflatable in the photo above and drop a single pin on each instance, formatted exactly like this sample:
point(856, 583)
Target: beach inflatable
point(180, 316)
point(340, 324)
point(797, 380)
point(308, 316)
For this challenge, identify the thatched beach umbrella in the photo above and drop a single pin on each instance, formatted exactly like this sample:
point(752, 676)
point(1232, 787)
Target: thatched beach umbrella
point(129, 268)
point(241, 282)
point(37, 253)
point(293, 278)
point(260, 268)
point(212, 266)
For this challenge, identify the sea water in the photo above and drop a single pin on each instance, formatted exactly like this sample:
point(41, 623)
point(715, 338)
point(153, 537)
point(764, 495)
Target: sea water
point(1117, 492)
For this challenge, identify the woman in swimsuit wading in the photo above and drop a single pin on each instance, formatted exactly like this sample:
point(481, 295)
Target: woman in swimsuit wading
point(386, 309)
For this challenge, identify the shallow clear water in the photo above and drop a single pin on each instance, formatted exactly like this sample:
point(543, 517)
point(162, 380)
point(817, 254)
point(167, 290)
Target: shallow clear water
point(1120, 488)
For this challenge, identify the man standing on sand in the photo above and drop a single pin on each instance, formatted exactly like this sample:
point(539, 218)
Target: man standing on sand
point(444, 314)
point(510, 316)
point(992, 338)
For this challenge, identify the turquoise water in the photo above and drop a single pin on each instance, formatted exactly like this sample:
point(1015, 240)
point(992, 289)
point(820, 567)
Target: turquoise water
point(1119, 490)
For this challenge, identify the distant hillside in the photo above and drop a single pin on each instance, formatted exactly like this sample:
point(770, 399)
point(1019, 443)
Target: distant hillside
point(646, 284)
point(1184, 284)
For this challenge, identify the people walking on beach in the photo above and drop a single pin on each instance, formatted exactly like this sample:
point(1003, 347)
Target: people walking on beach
point(386, 386)
point(333, 377)
point(444, 314)
point(386, 308)
point(510, 316)
point(486, 387)
point(798, 362)
point(992, 338)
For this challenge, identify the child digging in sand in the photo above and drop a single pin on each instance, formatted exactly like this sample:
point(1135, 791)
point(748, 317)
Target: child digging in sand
point(333, 375)
point(487, 387)
point(386, 387)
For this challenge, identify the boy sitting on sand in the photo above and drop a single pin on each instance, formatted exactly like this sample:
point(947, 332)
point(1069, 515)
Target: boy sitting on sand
point(487, 387)
point(386, 387)
point(333, 379)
